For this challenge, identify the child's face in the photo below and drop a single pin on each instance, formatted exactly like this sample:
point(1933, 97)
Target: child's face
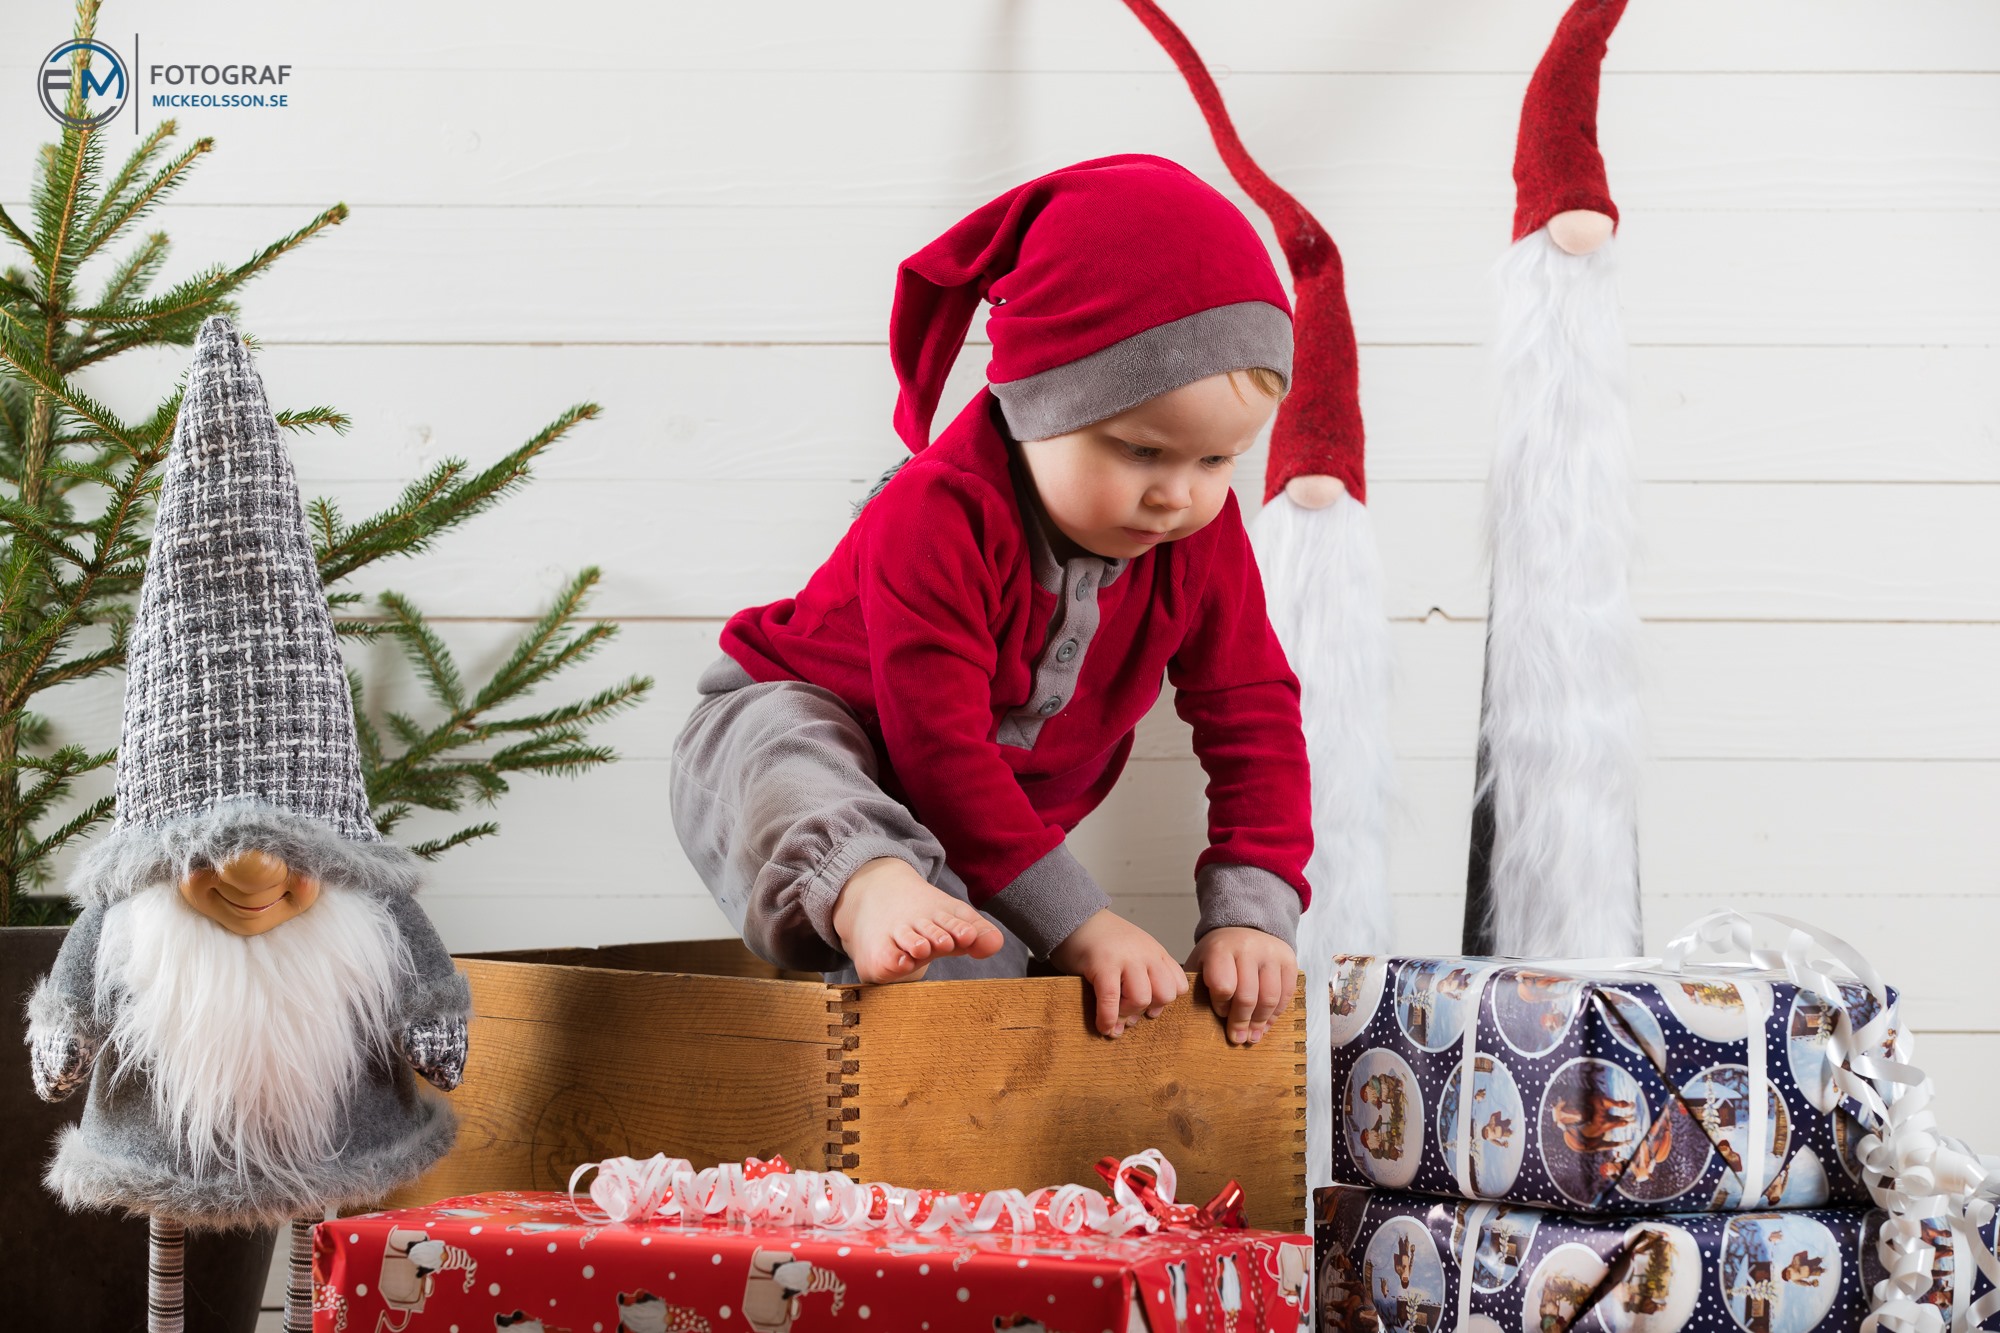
point(1154, 473)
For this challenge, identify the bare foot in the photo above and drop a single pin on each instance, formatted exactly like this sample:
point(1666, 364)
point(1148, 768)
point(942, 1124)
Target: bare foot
point(893, 923)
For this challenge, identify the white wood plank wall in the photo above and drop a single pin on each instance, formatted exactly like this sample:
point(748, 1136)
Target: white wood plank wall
point(692, 213)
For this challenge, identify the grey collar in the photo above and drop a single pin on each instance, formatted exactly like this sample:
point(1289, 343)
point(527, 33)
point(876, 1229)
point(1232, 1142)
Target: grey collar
point(1041, 554)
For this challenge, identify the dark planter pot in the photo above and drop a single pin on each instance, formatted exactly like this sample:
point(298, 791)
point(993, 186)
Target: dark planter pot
point(60, 1269)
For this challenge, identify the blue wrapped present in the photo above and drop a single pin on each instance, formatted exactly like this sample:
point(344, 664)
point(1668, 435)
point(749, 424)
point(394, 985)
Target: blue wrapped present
point(1395, 1263)
point(1613, 1088)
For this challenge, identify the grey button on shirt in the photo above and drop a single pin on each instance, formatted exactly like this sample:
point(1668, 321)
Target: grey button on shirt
point(1075, 583)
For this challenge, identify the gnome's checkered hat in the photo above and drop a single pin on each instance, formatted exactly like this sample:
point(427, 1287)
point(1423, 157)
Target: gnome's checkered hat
point(239, 729)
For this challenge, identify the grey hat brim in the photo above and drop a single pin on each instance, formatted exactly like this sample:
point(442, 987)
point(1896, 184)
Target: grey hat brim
point(134, 857)
point(1147, 364)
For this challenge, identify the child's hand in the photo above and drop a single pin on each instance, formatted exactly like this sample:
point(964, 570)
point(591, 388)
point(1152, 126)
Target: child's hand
point(1129, 971)
point(893, 923)
point(1249, 975)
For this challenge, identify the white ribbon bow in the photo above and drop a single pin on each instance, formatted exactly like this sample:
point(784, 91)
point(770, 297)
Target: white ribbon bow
point(1913, 1172)
point(628, 1189)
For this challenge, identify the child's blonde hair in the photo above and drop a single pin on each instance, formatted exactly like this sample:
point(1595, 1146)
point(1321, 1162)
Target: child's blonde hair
point(1269, 381)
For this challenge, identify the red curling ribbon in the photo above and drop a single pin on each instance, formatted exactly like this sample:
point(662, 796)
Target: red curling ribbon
point(1223, 1212)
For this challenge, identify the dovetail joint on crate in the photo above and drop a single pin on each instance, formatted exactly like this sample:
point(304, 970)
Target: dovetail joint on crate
point(843, 1074)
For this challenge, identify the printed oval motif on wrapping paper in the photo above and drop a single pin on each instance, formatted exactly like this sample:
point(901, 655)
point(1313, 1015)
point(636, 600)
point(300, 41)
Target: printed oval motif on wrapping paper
point(1383, 1114)
point(1653, 1284)
point(1719, 1100)
point(1355, 993)
point(1671, 1158)
point(1433, 1002)
point(1498, 1127)
point(1779, 1272)
point(1505, 1236)
point(1714, 1010)
point(1534, 1010)
point(1636, 1026)
point(1559, 1292)
point(1404, 1277)
point(1807, 1030)
point(1593, 1119)
point(1949, 1298)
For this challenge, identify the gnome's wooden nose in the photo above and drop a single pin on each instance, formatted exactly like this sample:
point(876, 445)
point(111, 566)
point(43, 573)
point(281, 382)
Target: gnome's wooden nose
point(253, 872)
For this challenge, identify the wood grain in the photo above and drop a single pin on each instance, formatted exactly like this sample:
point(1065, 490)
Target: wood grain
point(574, 1064)
point(989, 1084)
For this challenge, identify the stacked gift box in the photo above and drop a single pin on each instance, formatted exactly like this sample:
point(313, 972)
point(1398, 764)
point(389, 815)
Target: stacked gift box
point(1611, 1165)
point(758, 1247)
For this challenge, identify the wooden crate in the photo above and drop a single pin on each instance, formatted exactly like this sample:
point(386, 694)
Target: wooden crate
point(700, 1050)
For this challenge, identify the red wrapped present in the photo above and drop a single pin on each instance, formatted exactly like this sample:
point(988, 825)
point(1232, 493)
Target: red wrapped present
point(889, 1261)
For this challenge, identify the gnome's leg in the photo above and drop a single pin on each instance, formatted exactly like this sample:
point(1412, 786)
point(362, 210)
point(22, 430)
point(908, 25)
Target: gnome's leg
point(166, 1268)
point(1477, 937)
point(299, 1290)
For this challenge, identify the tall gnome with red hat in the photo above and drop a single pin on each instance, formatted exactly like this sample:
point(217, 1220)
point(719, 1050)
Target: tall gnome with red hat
point(1554, 869)
point(1322, 576)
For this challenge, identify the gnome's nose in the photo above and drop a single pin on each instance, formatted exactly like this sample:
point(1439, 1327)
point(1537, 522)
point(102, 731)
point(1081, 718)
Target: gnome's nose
point(253, 872)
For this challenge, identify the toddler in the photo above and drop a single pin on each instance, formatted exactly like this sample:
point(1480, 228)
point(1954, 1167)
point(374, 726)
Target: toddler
point(880, 773)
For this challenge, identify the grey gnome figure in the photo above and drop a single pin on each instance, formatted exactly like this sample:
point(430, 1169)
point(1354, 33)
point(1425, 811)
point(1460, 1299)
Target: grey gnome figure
point(251, 981)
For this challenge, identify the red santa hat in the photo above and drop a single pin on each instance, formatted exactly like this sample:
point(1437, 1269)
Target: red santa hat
point(1557, 165)
point(1318, 426)
point(1113, 281)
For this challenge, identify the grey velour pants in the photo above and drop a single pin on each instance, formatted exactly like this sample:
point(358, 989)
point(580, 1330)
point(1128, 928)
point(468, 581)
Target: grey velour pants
point(775, 801)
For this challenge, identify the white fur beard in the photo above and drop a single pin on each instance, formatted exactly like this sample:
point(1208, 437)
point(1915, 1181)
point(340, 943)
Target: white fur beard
point(1322, 572)
point(252, 1043)
point(1561, 718)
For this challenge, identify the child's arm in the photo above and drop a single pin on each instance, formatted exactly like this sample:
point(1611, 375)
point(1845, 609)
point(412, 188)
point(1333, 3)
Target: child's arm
point(1233, 686)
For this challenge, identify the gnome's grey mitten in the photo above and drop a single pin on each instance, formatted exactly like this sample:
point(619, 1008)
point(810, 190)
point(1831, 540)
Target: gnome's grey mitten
point(435, 1048)
point(63, 1034)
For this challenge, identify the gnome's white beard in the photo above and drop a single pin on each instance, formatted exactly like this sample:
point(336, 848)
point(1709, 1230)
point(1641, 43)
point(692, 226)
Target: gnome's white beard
point(252, 1043)
point(1561, 716)
point(1322, 572)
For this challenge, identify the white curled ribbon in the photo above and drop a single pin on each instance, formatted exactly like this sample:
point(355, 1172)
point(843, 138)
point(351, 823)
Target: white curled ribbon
point(629, 1190)
point(1914, 1173)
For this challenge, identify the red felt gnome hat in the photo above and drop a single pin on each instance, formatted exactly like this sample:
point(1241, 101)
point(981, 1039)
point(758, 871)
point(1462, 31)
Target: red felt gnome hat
point(1112, 280)
point(1318, 428)
point(1557, 165)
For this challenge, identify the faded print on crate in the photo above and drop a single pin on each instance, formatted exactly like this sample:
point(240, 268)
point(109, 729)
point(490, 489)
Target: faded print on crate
point(1779, 1272)
point(1382, 1111)
point(1404, 1278)
point(1497, 1127)
point(1593, 1117)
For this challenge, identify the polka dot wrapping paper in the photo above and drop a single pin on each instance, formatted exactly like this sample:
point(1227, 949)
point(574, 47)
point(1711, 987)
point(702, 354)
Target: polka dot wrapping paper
point(1615, 1091)
point(1398, 1263)
point(525, 1263)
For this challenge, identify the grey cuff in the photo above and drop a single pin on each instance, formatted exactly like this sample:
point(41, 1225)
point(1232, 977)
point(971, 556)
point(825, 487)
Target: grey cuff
point(819, 891)
point(1048, 901)
point(1239, 895)
point(437, 999)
